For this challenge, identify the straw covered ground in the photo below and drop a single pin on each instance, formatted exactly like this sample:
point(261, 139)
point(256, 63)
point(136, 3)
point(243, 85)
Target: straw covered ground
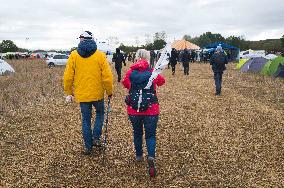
point(235, 140)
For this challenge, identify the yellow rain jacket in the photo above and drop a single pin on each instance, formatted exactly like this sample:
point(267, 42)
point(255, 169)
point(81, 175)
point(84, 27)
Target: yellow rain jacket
point(88, 78)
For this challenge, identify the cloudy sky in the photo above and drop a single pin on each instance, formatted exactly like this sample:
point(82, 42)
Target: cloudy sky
point(56, 24)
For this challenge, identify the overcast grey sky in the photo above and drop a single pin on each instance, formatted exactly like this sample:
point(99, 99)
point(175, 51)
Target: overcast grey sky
point(56, 24)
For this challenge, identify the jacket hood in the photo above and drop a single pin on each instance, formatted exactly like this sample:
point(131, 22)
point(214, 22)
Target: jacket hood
point(86, 48)
point(140, 65)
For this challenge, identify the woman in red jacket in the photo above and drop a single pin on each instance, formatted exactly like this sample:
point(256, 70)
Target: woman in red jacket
point(143, 106)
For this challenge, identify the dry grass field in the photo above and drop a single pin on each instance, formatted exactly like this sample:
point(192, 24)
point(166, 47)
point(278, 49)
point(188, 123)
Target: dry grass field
point(234, 140)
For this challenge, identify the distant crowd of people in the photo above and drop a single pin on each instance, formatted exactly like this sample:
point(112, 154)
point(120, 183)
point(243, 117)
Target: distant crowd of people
point(21, 56)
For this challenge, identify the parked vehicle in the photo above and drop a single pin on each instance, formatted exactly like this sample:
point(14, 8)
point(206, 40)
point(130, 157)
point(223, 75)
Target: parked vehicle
point(58, 59)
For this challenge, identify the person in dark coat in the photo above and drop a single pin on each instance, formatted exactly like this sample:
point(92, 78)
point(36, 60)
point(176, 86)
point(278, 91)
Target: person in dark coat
point(152, 58)
point(185, 61)
point(193, 56)
point(218, 62)
point(133, 58)
point(173, 60)
point(118, 58)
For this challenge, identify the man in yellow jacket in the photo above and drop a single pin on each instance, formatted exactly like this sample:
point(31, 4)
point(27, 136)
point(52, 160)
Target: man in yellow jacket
point(87, 77)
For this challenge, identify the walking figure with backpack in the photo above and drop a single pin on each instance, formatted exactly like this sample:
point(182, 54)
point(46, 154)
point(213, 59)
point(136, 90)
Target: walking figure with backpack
point(218, 62)
point(143, 107)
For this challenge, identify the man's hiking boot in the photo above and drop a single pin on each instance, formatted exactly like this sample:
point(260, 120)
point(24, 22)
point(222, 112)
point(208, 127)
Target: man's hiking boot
point(87, 151)
point(151, 167)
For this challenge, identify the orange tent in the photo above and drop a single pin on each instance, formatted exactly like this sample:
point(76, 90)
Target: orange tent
point(182, 44)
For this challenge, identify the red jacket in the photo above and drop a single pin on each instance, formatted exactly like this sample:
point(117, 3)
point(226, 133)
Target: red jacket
point(142, 65)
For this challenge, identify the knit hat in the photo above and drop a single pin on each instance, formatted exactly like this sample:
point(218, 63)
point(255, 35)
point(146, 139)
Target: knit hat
point(86, 35)
point(219, 49)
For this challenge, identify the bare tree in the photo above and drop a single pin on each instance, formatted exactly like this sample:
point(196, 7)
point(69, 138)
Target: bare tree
point(113, 40)
point(148, 39)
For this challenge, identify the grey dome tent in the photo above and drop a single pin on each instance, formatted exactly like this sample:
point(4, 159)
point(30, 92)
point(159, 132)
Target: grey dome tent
point(254, 65)
point(257, 64)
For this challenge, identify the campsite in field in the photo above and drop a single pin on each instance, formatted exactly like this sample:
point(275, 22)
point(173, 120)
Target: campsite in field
point(150, 94)
point(235, 139)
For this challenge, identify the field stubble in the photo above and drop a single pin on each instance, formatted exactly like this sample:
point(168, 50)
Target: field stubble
point(235, 140)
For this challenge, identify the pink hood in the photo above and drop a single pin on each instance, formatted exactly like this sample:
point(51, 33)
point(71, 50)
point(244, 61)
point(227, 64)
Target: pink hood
point(140, 65)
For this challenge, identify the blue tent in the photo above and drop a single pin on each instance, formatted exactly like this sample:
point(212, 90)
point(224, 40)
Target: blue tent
point(232, 51)
point(222, 44)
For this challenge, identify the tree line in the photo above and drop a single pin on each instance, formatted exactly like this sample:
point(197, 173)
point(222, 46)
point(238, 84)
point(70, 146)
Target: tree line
point(159, 41)
point(276, 45)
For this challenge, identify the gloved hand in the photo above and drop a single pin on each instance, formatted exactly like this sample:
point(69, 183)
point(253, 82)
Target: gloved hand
point(69, 98)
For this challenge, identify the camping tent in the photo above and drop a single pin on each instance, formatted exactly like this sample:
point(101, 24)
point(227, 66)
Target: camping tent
point(270, 56)
point(252, 54)
point(232, 51)
point(280, 71)
point(104, 47)
point(5, 68)
point(241, 63)
point(257, 64)
point(265, 69)
point(182, 44)
point(254, 65)
point(275, 64)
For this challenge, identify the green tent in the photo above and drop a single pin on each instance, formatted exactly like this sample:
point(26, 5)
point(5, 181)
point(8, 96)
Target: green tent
point(274, 65)
point(241, 63)
point(265, 69)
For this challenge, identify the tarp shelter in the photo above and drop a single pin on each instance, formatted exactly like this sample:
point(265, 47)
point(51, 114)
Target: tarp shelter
point(280, 71)
point(5, 68)
point(232, 51)
point(254, 65)
point(182, 44)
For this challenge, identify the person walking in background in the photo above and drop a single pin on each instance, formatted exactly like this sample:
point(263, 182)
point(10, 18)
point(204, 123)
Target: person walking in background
point(193, 56)
point(218, 62)
point(173, 60)
point(125, 58)
point(152, 58)
point(133, 58)
point(185, 61)
point(143, 107)
point(118, 59)
point(87, 77)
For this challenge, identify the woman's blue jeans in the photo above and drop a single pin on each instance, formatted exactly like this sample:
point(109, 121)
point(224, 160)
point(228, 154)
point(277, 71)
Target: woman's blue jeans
point(150, 126)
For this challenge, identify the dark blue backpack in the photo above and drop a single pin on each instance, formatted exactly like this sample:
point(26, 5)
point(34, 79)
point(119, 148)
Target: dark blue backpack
point(139, 80)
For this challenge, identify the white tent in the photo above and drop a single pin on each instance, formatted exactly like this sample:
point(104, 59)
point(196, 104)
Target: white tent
point(104, 47)
point(271, 56)
point(252, 53)
point(5, 68)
